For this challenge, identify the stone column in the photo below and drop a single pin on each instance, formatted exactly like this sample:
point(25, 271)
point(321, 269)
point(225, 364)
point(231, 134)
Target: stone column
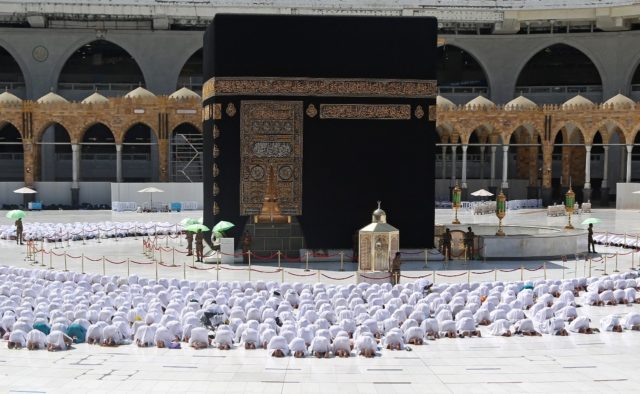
point(454, 163)
point(505, 167)
point(444, 162)
point(119, 163)
point(482, 149)
point(75, 175)
point(586, 196)
point(493, 165)
point(30, 159)
point(547, 161)
point(604, 188)
point(464, 166)
point(629, 150)
point(163, 153)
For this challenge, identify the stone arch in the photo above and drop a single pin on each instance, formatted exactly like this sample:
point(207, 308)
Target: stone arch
point(561, 127)
point(11, 153)
point(93, 122)
point(91, 64)
point(140, 155)
point(55, 141)
point(49, 123)
point(474, 67)
point(123, 130)
point(98, 153)
point(529, 126)
point(8, 54)
point(546, 52)
point(185, 153)
point(633, 76)
point(8, 123)
point(606, 124)
point(191, 72)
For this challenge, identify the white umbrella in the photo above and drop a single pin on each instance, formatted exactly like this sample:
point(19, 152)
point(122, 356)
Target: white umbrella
point(151, 190)
point(25, 190)
point(482, 193)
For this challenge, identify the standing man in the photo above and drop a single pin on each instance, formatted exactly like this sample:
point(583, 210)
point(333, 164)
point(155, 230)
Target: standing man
point(395, 268)
point(19, 230)
point(246, 246)
point(199, 246)
point(189, 236)
point(591, 245)
point(446, 244)
point(469, 237)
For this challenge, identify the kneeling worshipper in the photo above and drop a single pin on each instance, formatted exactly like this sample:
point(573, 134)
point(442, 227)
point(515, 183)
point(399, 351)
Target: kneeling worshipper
point(298, 348)
point(554, 326)
point(94, 333)
point(145, 335)
point(632, 321)
point(278, 347)
point(610, 323)
point(431, 329)
point(366, 345)
point(36, 340)
point(581, 325)
point(164, 338)
point(58, 341)
point(250, 338)
point(525, 327)
point(500, 328)
point(199, 338)
point(466, 327)
point(414, 335)
point(448, 329)
point(393, 340)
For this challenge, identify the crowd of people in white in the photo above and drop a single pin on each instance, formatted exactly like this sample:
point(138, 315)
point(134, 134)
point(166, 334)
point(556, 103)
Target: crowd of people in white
point(77, 231)
point(47, 309)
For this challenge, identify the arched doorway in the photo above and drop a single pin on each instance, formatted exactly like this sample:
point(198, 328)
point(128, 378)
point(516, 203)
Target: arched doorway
point(99, 66)
point(98, 155)
point(11, 77)
point(11, 154)
point(55, 154)
point(460, 76)
point(185, 154)
point(191, 73)
point(525, 146)
point(140, 154)
point(557, 73)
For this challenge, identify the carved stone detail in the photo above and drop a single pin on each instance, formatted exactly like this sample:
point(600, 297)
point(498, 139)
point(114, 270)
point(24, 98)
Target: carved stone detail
point(365, 111)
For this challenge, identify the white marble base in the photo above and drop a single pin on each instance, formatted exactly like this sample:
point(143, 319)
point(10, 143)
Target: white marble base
point(566, 243)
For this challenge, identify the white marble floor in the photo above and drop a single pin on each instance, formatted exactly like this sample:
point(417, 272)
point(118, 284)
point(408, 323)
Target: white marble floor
point(604, 362)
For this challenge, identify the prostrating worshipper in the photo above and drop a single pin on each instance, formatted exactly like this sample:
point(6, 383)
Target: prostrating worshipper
point(342, 345)
point(500, 328)
point(94, 333)
point(632, 321)
point(554, 326)
point(145, 335)
point(224, 337)
point(414, 335)
point(17, 339)
point(36, 340)
point(431, 329)
point(608, 298)
point(466, 327)
point(366, 345)
point(610, 323)
point(111, 336)
point(163, 337)
point(525, 327)
point(77, 332)
point(581, 325)
point(199, 338)
point(393, 340)
point(250, 338)
point(320, 347)
point(592, 298)
point(278, 347)
point(448, 329)
point(58, 341)
point(298, 348)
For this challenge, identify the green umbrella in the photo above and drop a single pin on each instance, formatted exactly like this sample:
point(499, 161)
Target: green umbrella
point(223, 226)
point(16, 214)
point(591, 221)
point(195, 227)
point(200, 220)
point(188, 221)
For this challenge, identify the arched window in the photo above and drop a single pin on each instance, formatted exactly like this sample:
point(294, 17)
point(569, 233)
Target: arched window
point(98, 155)
point(55, 154)
point(191, 74)
point(11, 77)
point(99, 65)
point(185, 155)
point(140, 154)
point(11, 154)
point(459, 72)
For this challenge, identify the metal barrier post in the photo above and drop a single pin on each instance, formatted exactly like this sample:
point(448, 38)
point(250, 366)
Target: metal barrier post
point(521, 271)
point(632, 253)
point(99, 235)
point(82, 263)
point(318, 276)
point(84, 238)
point(544, 266)
point(173, 257)
point(65, 262)
point(426, 258)
point(341, 261)
point(218, 267)
point(282, 275)
point(50, 260)
point(279, 263)
point(42, 256)
point(575, 270)
point(616, 268)
point(589, 266)
point(468, 276)
point(306, 267)
point(104, 268)
point(434, 277)
point(604, 272)
point(128, 268)
point(160, 254)
point(495, 274)
point(184, 270)
point(249, 260)
point(156, 270)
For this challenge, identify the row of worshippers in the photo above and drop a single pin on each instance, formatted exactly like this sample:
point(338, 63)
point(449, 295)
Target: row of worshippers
point(285, 318)
point(82, 230)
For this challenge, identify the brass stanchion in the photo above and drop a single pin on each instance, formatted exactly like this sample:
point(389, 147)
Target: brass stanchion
point(522, 272)
point(306, 267)
point(589, 266)
point(544, 267)
point(468, 276)
point(604, 272)
point(282, 275)
point(65, 262)
point(456, 200)
point(426, 258)
point(104, 268)
point(156, 270)
point(318, 276)
point(128, 268)
point(501, 211)
point(570, 200)
point(50, 260)
point(616, 267)
point(249, 260)
point(341, 261)
point(279, 263)
point(82, 263)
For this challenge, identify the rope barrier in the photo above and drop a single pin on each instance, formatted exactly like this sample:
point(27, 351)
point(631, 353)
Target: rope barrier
point(291, 273)
point(265, 272)
point(369, 277)
point(534, 269)
point(452, 275)
point(332, 278)
point(482, 273)
point(202, 269)
point(511, 270)
point(415, 277)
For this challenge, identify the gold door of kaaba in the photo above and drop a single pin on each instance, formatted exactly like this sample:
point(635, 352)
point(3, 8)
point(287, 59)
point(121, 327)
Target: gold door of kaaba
point(271, 139)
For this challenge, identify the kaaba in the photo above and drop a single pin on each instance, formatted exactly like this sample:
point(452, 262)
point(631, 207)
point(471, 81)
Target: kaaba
point(320, 117)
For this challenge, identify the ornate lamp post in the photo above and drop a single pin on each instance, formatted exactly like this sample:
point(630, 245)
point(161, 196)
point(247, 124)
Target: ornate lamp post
point(501, 211)
point(569, 201)
point(456, 200)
